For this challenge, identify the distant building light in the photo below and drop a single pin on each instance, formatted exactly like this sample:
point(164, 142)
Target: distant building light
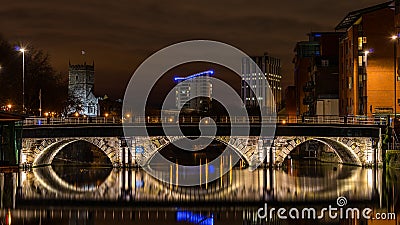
point(209, 72)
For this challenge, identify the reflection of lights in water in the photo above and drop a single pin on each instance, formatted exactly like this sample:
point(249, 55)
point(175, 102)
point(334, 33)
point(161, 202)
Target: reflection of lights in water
point(370, 178)
point(23, 176)
point(8, 218)
point(211, 169)
point(187, 216)
point(356, 183)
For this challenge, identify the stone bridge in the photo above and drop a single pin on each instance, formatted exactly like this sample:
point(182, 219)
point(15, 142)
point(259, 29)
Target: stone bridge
point(357, 145)
point(129, 151)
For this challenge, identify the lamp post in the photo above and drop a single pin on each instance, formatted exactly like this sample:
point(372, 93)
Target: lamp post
point(394, 38)
point(23, 79)
point(364, 102)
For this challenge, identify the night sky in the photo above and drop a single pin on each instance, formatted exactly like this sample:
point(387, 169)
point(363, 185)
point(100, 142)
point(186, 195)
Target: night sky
point(119, 35)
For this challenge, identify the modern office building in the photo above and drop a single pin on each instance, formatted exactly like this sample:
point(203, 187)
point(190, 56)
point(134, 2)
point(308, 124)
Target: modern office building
point(316, 73)
point(258, 84)
point(81, 88)
point(367, 73)
point(193, 93)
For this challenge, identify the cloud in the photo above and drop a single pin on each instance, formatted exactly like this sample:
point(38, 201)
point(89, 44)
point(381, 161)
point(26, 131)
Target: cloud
point(119, 35)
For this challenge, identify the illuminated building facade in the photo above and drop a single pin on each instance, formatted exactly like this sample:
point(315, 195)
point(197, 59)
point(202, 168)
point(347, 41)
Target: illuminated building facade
point(193, 93)
point(266, 85)
point(81, 88)
point(366, 59)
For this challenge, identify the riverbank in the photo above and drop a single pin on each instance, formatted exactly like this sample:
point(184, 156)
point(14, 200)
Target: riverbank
point(392, 159)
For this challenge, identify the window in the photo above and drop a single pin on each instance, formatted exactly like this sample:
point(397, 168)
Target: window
point(360, 43)
point(350, 82)
point(325, 63)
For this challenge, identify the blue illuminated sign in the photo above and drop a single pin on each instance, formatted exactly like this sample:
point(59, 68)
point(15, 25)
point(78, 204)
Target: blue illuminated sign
point(208, 72)
point(139, 149)
point(139, 183)
point(211, 169)
point(195, 218)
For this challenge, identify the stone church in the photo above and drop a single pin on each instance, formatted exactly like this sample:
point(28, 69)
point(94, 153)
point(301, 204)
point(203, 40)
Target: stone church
point(81, 88)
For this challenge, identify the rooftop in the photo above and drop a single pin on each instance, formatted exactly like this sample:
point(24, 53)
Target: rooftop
point(353, 16)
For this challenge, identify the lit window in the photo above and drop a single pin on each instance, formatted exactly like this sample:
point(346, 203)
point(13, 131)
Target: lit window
point(360, 43)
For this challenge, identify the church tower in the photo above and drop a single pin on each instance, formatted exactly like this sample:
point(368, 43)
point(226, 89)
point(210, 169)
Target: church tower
point(81, 87)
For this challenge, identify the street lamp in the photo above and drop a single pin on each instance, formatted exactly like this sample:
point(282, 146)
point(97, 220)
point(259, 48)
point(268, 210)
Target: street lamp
point(395, 38)
point(105, 117)
point(23, 78)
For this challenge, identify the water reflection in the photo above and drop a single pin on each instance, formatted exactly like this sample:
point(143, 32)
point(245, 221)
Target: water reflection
point(106, 195)
point(236, 186)
point(81, 178)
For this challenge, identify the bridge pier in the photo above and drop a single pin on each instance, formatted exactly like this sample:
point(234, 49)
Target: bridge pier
point(267, 151)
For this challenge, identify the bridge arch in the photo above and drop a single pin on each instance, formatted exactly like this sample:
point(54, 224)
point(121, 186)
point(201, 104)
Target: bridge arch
point(236, 144)
point(47, 150)
point(346, 154)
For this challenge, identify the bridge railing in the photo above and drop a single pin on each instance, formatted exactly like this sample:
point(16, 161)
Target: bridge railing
point(70, 120)
point(359, 120)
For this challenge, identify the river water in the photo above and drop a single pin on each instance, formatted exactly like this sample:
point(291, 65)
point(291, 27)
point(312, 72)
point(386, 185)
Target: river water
point(104, 195)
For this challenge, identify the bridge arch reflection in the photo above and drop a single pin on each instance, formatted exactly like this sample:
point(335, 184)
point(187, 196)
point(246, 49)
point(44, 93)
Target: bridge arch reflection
point(237, 186)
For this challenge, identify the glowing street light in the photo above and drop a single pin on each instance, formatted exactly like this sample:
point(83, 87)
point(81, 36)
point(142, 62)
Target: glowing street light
point(395, 38)
point(21, 49)
point(9, 107)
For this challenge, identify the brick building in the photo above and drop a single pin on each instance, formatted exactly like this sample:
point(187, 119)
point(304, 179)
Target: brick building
point(316, 71)
point(366, 56)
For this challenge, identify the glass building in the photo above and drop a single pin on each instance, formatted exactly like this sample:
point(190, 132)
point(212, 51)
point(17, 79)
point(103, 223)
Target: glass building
point(255, 83)
point(193, 93)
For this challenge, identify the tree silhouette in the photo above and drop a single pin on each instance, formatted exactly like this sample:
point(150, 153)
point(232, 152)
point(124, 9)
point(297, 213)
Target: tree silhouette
point(39, 75)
